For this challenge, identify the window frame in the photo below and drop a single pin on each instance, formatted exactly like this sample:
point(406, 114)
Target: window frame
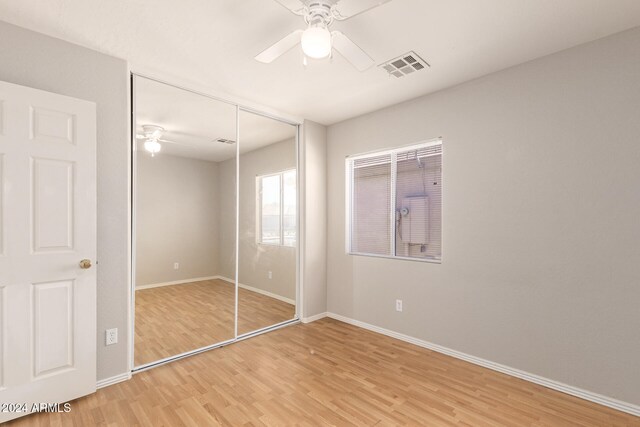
point(282, 239)
point(349, 195)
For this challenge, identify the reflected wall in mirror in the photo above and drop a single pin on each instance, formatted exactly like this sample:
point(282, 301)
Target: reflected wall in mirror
point(185, 230)
point(268, 223)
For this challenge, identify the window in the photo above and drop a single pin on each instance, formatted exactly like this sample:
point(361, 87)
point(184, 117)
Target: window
point(277, 208)
point(394, 202)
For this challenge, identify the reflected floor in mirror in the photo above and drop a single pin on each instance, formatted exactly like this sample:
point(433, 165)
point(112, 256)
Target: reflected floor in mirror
point(175, 319)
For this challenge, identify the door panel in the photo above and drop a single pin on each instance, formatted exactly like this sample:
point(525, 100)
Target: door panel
point(267, 268)
point(51, 126)
point(2, 215)
point(1, 116)
point(52, 201)
point(2, 335)
point(52, 327)
point(48, 196)
point(184, 224)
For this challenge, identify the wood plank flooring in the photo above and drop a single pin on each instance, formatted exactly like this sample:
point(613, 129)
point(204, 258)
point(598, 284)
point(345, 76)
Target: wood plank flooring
point(174, 319)
point(327, 373)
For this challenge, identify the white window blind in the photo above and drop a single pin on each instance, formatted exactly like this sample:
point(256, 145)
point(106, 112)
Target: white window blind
point(371, 204)
point(394, 202)
point(419, 202)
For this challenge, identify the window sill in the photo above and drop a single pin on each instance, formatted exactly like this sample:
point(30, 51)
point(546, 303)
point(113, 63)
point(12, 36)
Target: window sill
point(276, 245)
point(425, 260)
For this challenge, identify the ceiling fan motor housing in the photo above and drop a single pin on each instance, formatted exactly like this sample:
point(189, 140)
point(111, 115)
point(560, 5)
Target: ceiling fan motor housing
point(320, 13)
point(152, 131)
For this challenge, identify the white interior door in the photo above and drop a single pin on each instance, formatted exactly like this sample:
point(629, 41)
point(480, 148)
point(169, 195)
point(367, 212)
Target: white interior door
point(47, 226)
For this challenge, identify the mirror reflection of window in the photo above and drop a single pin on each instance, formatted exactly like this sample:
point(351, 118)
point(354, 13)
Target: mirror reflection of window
point(289, 208)
point(267, 256)
point(277, 208)
point(270, 209)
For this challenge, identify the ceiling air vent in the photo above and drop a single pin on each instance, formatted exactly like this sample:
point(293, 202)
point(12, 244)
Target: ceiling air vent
point(406, 64)
point(225, 141)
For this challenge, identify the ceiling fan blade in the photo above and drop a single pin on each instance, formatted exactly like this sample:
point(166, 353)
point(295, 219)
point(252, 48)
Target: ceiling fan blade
point(295, 6)
point(351, 51)
point(346, 9)
point(171, 142)
point(284, 45)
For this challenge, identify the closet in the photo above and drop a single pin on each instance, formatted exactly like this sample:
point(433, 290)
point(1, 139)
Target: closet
point(215, 222)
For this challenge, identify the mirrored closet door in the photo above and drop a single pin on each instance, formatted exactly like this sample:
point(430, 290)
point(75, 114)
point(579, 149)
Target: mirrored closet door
point(184, 221)
point(267, 262)
point(215, 228)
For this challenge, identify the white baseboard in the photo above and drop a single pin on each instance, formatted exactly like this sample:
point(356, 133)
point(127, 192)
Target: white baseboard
point(267, 293)
point(536, 379)
point(175, 282)
point(259, 291)
point(113, 380)
point(314, 318)
point(226, 279)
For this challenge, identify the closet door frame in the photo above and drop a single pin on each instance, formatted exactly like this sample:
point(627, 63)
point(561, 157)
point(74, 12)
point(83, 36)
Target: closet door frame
point(132, 231)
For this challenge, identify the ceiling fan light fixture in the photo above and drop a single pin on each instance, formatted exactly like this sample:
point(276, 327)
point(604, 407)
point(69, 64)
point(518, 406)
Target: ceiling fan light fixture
point(152, 146)
point(316, 42)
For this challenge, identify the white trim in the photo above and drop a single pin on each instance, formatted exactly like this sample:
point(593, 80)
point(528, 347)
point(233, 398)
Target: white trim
point(364, 254)
point(131, 214)
point(314, 317)
point(267, 293)
point(176, 282)
point(301, 173)
point(113, 380)
point(536, 379)
point(393, 222)
point(259, 291)
point(236, 272)
point(242, 103)
point(416, 145)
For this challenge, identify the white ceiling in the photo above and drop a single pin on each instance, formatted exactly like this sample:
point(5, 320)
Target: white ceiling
point(192, 122)
point(211, 43)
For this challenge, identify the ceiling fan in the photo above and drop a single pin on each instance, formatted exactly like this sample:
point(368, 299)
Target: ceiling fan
point(317, 41)
point(152, 137)
point(152, 134)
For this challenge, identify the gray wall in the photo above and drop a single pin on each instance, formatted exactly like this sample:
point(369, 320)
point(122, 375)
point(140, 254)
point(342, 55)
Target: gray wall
point(176, 218)
point(541, 225)
point(314, 215)
point(257, 260)
point(38, 61)
point(227, 218)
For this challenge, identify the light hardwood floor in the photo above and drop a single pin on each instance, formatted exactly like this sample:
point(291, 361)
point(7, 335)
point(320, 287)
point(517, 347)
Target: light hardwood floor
point(175, 319)
point(327, 373)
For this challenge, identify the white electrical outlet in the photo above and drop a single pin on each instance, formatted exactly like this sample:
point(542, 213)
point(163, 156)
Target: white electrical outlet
point(176, 265)
point(271, 275)
point(111, 336)
point(398, 305)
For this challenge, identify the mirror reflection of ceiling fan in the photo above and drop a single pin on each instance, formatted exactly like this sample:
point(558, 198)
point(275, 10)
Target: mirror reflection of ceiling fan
point(152, 136)
point(316, 40)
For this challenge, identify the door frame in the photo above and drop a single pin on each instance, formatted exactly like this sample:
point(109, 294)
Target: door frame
point(299, 310)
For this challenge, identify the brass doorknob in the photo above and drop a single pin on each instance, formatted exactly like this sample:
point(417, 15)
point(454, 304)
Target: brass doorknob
point(85, 263)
